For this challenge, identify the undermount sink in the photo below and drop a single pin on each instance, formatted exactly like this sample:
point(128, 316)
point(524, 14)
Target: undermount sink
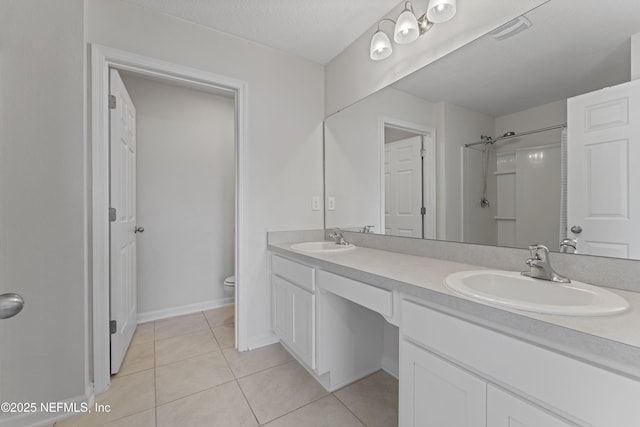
point(511, 289)
point(322, 247)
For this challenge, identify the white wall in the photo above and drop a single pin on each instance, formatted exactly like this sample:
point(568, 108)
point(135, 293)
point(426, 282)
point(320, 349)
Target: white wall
point(285, 112)
point(554, 113)
point(353, 154)
point(462, 126)
point(43, 194)
point(352, 75)
point(185, 195)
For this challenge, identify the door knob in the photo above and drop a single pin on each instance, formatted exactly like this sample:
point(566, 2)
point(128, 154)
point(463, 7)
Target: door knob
point(576, 229)
point(138, 229)
point(10, 305)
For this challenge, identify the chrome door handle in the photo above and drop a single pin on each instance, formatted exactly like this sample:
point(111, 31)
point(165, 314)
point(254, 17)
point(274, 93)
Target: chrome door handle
point(138, 230)
point(576, 229)
point(10, 305)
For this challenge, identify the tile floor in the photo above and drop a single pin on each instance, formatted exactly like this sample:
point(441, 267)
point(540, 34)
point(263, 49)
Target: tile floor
point(184, 371)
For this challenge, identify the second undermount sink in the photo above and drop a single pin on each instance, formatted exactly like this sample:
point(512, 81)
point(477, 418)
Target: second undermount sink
point(511, 289)
point(322, 247)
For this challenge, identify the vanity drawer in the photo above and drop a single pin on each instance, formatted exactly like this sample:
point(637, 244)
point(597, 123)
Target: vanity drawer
point(295, 273)
point(376, 299)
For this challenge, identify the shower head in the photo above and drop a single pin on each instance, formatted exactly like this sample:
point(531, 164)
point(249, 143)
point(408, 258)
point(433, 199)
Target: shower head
point(487, 139)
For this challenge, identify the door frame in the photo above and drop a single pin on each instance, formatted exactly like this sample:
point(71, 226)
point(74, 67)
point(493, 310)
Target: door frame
point(103, 58)
point(428, 163)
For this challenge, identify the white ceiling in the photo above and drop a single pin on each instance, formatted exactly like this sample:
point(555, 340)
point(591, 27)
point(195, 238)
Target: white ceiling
point(573, 47)
point(314, 29)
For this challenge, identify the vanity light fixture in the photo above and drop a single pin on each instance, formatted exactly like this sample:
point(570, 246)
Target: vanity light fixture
point(408, 27)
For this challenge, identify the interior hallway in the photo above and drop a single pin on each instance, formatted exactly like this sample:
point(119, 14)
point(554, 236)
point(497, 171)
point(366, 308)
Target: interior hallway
point(184, 371)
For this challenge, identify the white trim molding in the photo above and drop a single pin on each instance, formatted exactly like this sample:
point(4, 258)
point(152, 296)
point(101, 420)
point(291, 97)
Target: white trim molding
point(102, 59)
point(165, 313)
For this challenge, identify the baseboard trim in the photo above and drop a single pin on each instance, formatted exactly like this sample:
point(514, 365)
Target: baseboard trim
point(183, 309)
point(391, 367)
point(39, 419)
point(262, 340)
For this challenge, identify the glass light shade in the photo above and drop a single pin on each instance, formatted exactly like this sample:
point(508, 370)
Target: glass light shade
point(380, 46)
point(441, 10)
point(406, 29)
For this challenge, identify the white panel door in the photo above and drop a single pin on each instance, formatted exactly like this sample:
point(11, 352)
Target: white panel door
point(434, 392)
point(123, 281)
point(506, 410)
point(603, 180)
point(403, 187)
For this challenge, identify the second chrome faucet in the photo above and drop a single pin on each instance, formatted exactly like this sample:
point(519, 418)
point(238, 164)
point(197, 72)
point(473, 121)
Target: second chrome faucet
point(540, 266)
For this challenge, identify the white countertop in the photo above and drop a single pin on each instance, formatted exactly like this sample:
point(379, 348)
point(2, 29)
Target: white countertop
point(424, 277)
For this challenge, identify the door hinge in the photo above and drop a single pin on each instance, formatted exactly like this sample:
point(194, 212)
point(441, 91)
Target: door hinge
point(112, 102)
point(113, 326)
point(423, 152)
point(112, 214)
point(423, 211)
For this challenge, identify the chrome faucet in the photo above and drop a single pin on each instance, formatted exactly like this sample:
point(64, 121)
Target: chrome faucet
point(540, 266)
point(367, 228)
point(568, 246)
point(336, 235)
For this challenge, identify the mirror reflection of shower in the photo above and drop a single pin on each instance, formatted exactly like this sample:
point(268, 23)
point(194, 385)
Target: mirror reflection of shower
point(519, 195)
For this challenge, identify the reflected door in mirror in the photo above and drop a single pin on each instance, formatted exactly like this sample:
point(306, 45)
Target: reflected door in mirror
point(403, 187)
point(603, 172)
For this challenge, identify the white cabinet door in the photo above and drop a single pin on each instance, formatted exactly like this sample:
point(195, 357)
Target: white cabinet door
point(293, 318)
point(435, 393)
point(506, 410)
point(303, 336)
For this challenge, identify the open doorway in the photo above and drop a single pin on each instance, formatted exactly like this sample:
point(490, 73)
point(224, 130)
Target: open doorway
point(183, 230)
point(408, 185)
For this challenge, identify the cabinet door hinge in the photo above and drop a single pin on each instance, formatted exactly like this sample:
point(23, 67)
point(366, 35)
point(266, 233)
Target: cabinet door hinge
point(112, 102)
point(112, 214)
point(423, 211)
point(113, 326)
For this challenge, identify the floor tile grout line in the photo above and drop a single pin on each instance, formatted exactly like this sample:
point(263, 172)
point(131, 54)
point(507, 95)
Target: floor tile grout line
point(155, 380)
point(194, 393)
point(185, 333)
point(298, 408)
point(265, 369)
point(348, 409)
point(121, 375)
point(219, 350)
point(247, 401)
point(188, 358)
point(212, 331)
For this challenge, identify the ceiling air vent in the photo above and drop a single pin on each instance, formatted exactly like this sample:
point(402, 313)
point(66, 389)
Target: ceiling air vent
point(511, 28)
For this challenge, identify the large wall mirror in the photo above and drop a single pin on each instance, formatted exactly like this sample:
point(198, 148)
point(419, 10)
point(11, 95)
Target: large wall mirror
point(508, 141)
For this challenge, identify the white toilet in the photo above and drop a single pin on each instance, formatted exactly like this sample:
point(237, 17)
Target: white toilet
point(230, 286)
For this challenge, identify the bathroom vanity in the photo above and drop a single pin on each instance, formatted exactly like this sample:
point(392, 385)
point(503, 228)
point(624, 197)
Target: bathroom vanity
point(461, 362)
